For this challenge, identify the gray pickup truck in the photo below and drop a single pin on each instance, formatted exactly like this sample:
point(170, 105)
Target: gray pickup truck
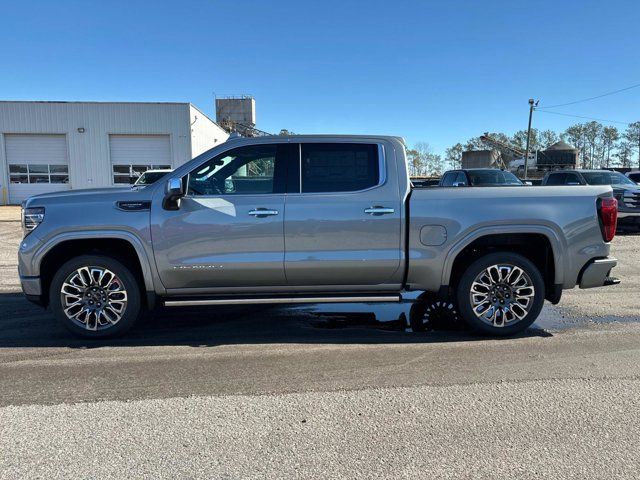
point(307, 219)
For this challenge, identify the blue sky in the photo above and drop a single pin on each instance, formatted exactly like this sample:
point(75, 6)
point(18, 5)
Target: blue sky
point(439, 72)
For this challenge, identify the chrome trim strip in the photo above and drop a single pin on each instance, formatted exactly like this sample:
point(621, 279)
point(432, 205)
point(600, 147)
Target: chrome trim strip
point(254, 301)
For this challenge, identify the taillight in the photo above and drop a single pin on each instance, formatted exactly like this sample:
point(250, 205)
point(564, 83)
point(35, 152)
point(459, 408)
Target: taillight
point(608, 214)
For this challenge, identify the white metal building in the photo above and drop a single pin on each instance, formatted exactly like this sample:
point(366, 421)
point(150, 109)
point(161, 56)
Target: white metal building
point(52, 146)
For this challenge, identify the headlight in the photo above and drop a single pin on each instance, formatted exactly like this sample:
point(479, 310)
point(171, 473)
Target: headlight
point(31, 218)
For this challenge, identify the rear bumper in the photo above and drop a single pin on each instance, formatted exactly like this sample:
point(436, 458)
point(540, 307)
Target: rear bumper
point(596, 273)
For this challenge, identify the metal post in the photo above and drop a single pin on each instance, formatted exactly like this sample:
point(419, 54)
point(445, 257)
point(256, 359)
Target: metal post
point(526, 155)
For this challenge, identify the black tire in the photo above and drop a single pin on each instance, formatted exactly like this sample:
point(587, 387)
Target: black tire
point(130, 309)
point(534, 278)
point(430, 312)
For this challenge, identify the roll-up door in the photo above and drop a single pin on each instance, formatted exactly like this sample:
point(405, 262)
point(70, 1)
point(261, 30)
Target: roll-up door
point(37, 164)
point(131, 155)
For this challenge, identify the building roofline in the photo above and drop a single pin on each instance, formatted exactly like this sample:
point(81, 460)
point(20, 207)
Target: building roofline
point(94, 102)
point(206, 116)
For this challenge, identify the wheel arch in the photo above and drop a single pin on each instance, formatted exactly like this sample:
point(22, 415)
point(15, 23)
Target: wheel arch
point(540, 244)
point(120, 245)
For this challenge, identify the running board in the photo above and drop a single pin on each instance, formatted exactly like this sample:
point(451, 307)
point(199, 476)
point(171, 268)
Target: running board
point(277, 300)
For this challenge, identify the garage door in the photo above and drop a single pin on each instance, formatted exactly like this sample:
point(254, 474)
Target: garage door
point(132, 155)
point(37, 164)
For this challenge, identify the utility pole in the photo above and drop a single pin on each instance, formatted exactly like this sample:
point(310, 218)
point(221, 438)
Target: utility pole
point(532, 105)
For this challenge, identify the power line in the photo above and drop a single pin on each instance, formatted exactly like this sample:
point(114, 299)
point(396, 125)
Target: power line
point(583, 117)
point(593, 98)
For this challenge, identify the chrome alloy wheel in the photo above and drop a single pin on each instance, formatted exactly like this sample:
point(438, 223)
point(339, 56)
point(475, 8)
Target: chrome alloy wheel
point(93, 297)
point(502, 295)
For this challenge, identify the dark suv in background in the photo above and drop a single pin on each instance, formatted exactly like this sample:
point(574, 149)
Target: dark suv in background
point(635, 176)
point(479, 177)
point(624, 189)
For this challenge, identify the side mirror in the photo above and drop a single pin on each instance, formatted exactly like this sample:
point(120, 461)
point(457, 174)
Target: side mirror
point(459, 184)
point(528, 183)
point(174, 191)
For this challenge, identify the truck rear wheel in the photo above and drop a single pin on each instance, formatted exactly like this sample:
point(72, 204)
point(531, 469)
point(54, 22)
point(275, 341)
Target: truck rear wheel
point(501, 294)
point(95, 296)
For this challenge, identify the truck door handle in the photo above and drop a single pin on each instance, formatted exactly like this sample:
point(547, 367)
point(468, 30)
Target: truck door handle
point(263, 212)
point(378, 210)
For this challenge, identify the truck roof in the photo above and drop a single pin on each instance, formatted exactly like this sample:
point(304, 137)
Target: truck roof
point(583, 170)
point(299, 137)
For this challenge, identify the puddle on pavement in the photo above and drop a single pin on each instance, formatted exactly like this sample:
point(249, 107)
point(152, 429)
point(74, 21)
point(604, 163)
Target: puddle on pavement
point(342, 315)
point(389, 316)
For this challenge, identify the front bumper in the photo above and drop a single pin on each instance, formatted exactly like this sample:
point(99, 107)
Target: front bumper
point(31, 285)
point(596, 273)
point(32, 289)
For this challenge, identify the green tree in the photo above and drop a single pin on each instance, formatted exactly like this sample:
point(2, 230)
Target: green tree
point(547, 138)
point(632, 135)
point(610, 136)
point(592, 131)
point(474, 144)
point(575, 135)
point(422, 161)
point(413, 162)
point(625, 153)
point(453, 155)
point(519, 139)
point(435, 164)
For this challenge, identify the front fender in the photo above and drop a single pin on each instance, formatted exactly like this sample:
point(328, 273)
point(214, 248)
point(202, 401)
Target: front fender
point(146, 264)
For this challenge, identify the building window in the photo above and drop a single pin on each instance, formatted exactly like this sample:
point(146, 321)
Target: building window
point(128, 174)
point(38, 173)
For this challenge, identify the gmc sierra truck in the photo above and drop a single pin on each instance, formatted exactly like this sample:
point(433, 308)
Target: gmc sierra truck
point(307, 219)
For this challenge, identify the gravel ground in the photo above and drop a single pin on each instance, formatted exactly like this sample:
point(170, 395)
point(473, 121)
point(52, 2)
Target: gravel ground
point(580, 429)
point(10, 236)
point(9, 214)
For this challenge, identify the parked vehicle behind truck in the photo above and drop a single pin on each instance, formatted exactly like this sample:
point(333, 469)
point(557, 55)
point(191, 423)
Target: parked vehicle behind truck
point(625, 190)
point(479, 177)
point(306, 219)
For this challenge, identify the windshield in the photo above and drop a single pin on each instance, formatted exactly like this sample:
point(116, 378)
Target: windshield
point(493, 177)
point(148, 178)
point(606, 178)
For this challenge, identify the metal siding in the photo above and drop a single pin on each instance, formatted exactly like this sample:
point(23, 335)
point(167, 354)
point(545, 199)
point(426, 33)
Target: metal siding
point(205, 134)
point(88, 152)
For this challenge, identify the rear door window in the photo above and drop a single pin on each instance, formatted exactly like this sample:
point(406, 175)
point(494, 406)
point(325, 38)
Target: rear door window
point(572, 179)
point(448, 179)
point(461, 179)
point(338, 167)
point(556, 179)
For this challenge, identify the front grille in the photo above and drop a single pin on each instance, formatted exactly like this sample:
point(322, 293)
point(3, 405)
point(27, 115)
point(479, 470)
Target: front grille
point(632, 199)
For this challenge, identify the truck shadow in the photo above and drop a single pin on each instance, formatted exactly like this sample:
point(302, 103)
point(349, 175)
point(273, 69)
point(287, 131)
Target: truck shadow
point(25, 325)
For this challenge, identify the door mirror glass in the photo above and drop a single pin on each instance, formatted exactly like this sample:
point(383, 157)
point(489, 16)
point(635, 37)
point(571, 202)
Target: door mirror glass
point(174, 191)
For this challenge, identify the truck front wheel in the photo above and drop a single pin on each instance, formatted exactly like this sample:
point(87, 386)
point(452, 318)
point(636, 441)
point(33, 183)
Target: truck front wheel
point(95, 296)
point(500, 294)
